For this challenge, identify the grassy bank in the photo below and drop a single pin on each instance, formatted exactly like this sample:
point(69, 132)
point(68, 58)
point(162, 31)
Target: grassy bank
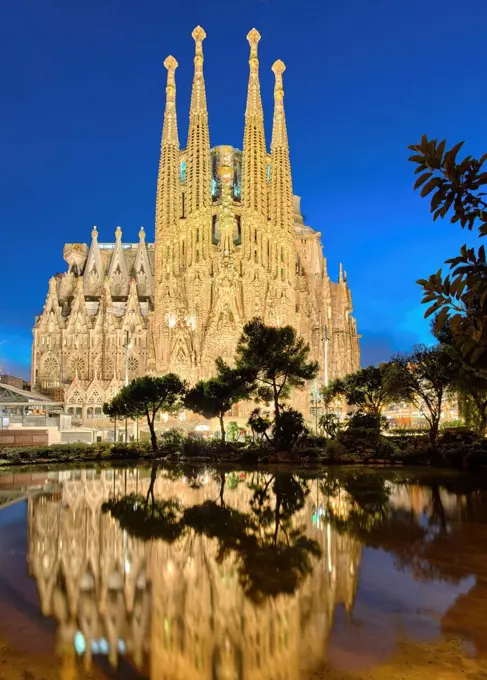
point(458, 449)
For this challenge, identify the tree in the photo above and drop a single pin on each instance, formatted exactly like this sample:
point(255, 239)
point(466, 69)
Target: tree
point(277, 357)
point(214, 397)
point(369, 388)
point(461, 296)
point(425, 378)
point(147, 396)
point(469, 382)
point(329, 393)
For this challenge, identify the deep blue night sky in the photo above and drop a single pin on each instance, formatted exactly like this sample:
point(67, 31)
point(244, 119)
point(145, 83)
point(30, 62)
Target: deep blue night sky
point(82, 88)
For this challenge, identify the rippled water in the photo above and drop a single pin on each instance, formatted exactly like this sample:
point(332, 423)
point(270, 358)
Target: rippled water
point(198, 573)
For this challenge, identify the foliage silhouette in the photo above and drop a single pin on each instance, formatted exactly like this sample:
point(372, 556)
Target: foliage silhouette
point(277, 357)
point(214, 397)
point(147, 396)
point(370, 389)
point(461, 296)
point(426, 376)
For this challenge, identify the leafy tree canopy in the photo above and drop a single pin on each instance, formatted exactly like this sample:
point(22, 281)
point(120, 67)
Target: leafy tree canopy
point(214, 397)
point(425, 377)
point(469, 382)
point(277, 357)
point(146, 396)
point(371, 388)
point(461, 296)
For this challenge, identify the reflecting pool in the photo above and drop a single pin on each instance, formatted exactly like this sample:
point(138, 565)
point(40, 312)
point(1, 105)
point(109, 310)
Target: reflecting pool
point(207, 573)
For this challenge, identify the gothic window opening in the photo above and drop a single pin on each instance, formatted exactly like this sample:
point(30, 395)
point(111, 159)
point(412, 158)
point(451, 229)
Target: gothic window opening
point(95, 398)
point(133, 365)
point(50, 372)
point(238, 239)
point(214, 235)
point(78, 368)
point(76, 397)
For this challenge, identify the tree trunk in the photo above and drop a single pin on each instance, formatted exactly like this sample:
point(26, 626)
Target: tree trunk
point(276, 406)
point(435, 422)
point(482, 420)
point(222, 426)
point(153, 436)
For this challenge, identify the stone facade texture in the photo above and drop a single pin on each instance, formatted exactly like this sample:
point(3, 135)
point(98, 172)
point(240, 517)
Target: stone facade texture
point(230, 245)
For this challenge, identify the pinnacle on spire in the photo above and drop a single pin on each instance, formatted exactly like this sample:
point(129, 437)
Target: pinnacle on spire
point(94, 233)
point(142, 235)
point(118, 234)
point(170, 128)
point(282, 208)
point(254, 160)
point(198, 167)
point(168, 181)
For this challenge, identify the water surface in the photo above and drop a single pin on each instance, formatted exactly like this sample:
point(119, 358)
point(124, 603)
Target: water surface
point(200, 573)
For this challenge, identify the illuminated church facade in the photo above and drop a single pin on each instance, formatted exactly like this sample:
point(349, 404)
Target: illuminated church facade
point(230, 245)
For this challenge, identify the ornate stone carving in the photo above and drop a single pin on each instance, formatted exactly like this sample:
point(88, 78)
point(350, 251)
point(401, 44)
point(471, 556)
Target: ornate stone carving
point(230, 245)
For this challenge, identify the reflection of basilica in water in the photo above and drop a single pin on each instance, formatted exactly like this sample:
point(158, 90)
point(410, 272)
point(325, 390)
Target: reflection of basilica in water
point(174, 611)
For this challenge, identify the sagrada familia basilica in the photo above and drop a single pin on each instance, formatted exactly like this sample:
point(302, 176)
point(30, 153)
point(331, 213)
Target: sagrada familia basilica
point(230, 245)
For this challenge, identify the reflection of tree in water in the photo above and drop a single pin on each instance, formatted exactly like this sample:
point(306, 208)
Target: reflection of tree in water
point(273, 552)
point(437, 543)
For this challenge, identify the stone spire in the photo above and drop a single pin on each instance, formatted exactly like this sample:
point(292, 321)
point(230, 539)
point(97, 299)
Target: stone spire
point(94, 273)
point(168, 181)
point(118, 271)
point(254, 159)
point(198, 165)
point(281, 190)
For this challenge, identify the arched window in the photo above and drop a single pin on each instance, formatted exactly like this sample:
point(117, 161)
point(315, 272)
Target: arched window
point(77, 368)
point(50, 372)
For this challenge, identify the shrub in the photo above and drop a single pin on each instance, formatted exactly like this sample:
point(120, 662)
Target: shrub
point(367, 421)
point(289, 429)
point(173, 440)
point(407, 431)
point(461, 435)
point(335, 450)
point(233, 431)
point(331, 425)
